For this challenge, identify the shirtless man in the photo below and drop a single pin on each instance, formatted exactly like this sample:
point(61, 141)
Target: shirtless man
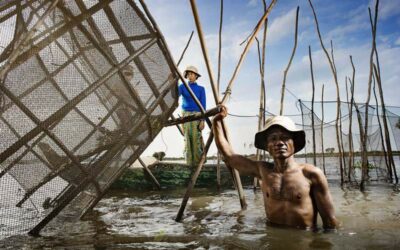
point(294, 193)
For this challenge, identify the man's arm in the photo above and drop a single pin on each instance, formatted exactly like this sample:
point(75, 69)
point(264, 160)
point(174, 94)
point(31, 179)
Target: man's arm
point(323, 198)
point(242, 164)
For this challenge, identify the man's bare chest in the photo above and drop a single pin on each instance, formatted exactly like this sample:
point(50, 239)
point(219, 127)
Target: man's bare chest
point(293, 187)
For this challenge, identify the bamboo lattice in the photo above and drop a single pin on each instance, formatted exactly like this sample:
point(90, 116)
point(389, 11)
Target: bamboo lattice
point(85, 86)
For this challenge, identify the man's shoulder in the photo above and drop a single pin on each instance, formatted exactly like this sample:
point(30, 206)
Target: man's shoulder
point(312, 172)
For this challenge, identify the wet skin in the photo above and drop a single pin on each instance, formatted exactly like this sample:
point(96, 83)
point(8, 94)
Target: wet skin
point(293, 193)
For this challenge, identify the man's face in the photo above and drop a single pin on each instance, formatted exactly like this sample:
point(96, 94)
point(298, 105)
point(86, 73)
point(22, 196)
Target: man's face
point(191, 76)
point(280, 143)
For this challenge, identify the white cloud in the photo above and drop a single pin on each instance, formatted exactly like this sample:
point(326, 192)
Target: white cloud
point(397, 42)
point(252, 3)
point(387, 8)
point(282, 26)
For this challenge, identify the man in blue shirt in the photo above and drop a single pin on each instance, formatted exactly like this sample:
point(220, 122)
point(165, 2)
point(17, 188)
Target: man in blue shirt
point(194, 144)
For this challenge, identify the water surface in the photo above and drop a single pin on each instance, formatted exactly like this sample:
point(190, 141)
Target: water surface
point(213, 220)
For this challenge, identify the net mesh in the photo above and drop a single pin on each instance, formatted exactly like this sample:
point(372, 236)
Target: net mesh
point(85, 87)
point(326, 150)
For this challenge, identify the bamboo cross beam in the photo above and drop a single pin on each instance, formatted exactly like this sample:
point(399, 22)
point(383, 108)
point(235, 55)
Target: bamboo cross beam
point(193, 117)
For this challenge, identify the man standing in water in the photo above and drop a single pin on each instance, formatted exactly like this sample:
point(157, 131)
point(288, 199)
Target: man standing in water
point(294, 193)
point(194, 144)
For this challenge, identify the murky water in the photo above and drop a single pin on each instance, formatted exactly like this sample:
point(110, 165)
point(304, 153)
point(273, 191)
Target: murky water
point(132, 220)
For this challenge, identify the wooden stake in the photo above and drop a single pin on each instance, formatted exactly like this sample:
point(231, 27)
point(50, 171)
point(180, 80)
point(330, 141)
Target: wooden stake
point(290, 62)
point(312, 106)
point(322, 129)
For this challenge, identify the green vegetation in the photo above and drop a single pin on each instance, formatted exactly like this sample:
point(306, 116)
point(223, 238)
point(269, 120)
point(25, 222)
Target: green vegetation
point(174, 176)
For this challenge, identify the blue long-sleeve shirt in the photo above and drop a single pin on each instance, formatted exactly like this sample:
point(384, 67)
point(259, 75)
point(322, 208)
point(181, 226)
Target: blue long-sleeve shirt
point(188, 104)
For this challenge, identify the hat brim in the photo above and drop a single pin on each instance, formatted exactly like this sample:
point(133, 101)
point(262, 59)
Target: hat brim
point(186, 71)
point(299, 139)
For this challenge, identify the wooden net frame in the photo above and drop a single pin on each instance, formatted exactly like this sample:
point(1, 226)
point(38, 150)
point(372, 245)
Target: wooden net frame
point(85, 86)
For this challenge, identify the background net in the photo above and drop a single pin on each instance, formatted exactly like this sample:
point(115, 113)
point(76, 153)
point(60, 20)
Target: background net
point(326, 146)
point(85, 87)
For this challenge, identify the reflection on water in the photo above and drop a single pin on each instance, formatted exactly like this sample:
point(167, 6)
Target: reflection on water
point(215, 221)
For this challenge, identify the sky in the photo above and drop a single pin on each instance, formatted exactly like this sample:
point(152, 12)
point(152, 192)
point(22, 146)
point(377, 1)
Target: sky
point(345, 23)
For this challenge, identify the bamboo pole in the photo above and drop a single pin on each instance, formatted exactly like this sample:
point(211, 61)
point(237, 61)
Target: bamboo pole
point(371, 58)
point(385, 154)
point(322, 129)
point(290, 62)
point(244, 53)
point(218, 167)
point(339, 108)
point(234, 172)
point(302, 122)
point(147, 170)
point(261, 112)
point(186, 47)
point(350, 135)
point(333, 69)
point(387, 136)
point(359, 119)
point(378, 74)
point(312, 106)
point(193, 117)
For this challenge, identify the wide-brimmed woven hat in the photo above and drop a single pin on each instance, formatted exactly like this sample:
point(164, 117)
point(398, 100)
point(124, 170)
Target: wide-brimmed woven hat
point(299, 137)
point(191, 69)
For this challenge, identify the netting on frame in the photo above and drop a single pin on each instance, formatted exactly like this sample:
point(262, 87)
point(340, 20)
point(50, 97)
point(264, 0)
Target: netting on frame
point(326, 146)
point(85, 87)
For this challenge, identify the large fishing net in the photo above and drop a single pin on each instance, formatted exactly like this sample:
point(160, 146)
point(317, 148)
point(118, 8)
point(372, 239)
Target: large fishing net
point(85, 86)
point(320, 123)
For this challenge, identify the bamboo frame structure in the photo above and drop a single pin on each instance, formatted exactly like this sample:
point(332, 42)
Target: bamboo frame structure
point(86, 168)
point(211, 136)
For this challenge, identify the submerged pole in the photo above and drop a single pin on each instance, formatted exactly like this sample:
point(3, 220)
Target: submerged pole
point(235, 173)
point(322, 129)
point(312, 105)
